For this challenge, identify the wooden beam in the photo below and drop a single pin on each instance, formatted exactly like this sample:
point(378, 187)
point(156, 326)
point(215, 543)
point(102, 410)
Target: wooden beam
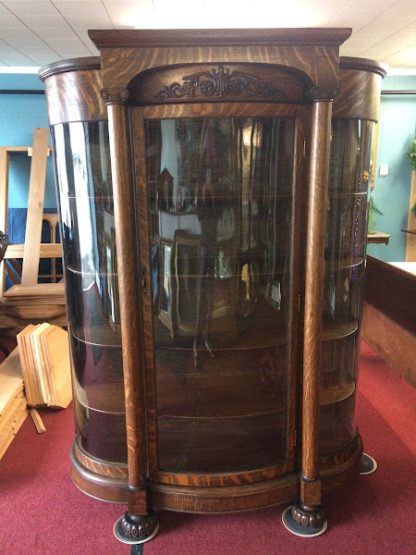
point(46, 250)
point(39, 289)
point(31, 254)
point(37, 421)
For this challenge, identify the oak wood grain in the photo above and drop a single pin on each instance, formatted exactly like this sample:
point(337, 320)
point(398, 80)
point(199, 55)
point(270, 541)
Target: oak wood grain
point(359, 89)
point(211, 37)
point(318, 177)
point(129, 295)
point(217, 82)
point(313, 52)
point(75, 94)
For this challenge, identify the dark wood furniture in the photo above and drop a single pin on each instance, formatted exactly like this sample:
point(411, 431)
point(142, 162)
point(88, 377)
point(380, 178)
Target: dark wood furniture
point(231, 297)
point(378, 237)
point(389, 324)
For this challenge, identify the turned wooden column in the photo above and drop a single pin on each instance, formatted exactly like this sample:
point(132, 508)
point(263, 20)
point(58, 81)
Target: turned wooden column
point(124, 213)
point(310, 486)
point(138, 524)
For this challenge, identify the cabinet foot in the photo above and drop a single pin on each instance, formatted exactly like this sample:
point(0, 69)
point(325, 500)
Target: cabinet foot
point(303, 521)
point(368, 465)
point(136, 529)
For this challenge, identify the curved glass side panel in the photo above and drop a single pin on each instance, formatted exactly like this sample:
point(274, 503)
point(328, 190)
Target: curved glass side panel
point(220, 213)
point(345, 252)
point(82, 161)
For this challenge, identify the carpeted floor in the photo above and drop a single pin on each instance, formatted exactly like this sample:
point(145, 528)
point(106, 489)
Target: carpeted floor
point(41, 512)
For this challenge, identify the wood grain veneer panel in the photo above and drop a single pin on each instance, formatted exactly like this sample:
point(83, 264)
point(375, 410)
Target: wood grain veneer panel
point(75, 96)
point(358, 96)
point(319, 64)
point(314, 52)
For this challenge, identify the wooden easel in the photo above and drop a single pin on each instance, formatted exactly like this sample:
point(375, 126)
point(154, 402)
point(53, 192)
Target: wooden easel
point(23, 297)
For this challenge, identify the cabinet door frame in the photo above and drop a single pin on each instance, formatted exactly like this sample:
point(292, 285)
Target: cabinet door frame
point(138, 117)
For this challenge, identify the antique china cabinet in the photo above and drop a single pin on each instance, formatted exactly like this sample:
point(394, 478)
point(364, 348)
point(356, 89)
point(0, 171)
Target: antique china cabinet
point(213, 200)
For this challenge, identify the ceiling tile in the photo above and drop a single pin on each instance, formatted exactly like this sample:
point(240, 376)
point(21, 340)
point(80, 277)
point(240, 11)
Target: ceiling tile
point(43, 21)
point(72, 7)
point(13, 56)
point(23, 7)
point(358, 13)
point(84, 15)
point(8, 18)
point(382, 29)
point(16, 33)
point(130, 13)
point(403, 58)
point(68, 48)
point(4, 10)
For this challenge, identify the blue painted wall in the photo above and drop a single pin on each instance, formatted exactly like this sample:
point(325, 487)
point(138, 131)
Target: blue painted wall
point(391, 193)
point(19, 115)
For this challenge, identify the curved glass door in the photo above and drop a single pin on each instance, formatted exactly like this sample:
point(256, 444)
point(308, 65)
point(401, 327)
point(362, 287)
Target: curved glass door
point(85, 195)
point(346, 234)
point(220, 197)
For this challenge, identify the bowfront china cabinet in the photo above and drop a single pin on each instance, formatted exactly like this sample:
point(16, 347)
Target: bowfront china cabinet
point(213, 200)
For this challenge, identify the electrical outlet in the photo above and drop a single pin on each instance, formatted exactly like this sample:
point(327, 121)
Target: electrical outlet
point(384, 170)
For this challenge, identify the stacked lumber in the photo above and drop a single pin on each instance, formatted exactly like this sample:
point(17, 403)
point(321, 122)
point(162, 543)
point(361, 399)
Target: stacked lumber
point(45, 363)
point(36, 302)
point(13, 408)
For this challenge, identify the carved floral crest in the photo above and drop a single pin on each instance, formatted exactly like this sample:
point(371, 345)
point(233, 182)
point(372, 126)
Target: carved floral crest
point(220, 83)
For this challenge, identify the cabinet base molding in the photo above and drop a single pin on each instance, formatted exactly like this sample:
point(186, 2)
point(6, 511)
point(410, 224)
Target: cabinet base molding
point(108, 482)
point(102, 480)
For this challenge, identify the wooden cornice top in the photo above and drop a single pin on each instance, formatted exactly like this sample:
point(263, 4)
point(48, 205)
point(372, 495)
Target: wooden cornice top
point(137, 38)
point(74, 64)
point(347, 62)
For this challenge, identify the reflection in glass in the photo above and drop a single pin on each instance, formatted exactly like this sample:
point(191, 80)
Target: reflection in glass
point(82, 160)
point(220, 211)
point(93, 307)
point(345, 252)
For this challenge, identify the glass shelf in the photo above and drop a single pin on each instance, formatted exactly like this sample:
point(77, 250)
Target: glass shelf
point(90, 424)
point(338, 330)
point(221, 445)
point(336, 393)
point(93, 308)
point(345, 263)
point(223, 387)
point(337, 425)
